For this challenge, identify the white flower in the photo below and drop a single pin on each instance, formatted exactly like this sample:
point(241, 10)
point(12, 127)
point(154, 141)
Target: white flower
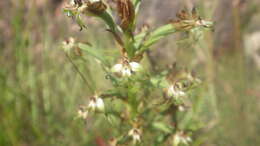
point(96, 104)
point(181, 108)
point(175, 91)
point(135, 134)
point(82, 113)
point(68, 44)
point(126, 69)
point(181, 138)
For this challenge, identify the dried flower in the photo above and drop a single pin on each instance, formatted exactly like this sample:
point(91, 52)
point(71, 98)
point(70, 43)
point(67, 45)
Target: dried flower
point(126, 13)
point(126, 69)
point(96, 104)
point(186, 21)
point(181, 138)
point(95, 7)
point(135, 134)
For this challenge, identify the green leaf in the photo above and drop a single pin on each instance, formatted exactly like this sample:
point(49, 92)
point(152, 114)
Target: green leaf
point(137, 4)
point(80, 22)
point(93, 52)
point(161, 139)
point(107, 17)
point(163, 127)
point(139, 39)
point(158, 34)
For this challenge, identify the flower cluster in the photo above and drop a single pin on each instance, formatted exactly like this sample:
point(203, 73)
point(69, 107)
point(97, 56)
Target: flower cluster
point(96, 104)
point(126, 68)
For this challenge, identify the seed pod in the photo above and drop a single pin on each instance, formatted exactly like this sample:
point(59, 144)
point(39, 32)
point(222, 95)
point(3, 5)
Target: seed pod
point(126, 12)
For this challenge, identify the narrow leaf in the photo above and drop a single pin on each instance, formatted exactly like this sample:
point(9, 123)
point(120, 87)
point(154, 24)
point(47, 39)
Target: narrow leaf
point(93, 52)
point(158, 34)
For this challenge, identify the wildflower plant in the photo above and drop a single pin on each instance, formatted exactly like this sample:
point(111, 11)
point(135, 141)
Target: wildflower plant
point(152, 104)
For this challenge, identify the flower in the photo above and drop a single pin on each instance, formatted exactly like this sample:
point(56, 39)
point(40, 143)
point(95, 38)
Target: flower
point(181, 108)
point(82, 113)
point(181, 138)
point(96, 104)
point(135, 134)
point(68, 44)
point(126, 69)
point(175, 91)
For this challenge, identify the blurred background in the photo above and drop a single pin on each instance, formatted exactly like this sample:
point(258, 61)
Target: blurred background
point(40, 91)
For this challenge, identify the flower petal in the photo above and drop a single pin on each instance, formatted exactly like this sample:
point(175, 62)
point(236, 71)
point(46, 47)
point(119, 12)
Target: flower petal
point(126, 72)
point(100, 104)
point(135, 66)
point(92, 105)
point(117, 68)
